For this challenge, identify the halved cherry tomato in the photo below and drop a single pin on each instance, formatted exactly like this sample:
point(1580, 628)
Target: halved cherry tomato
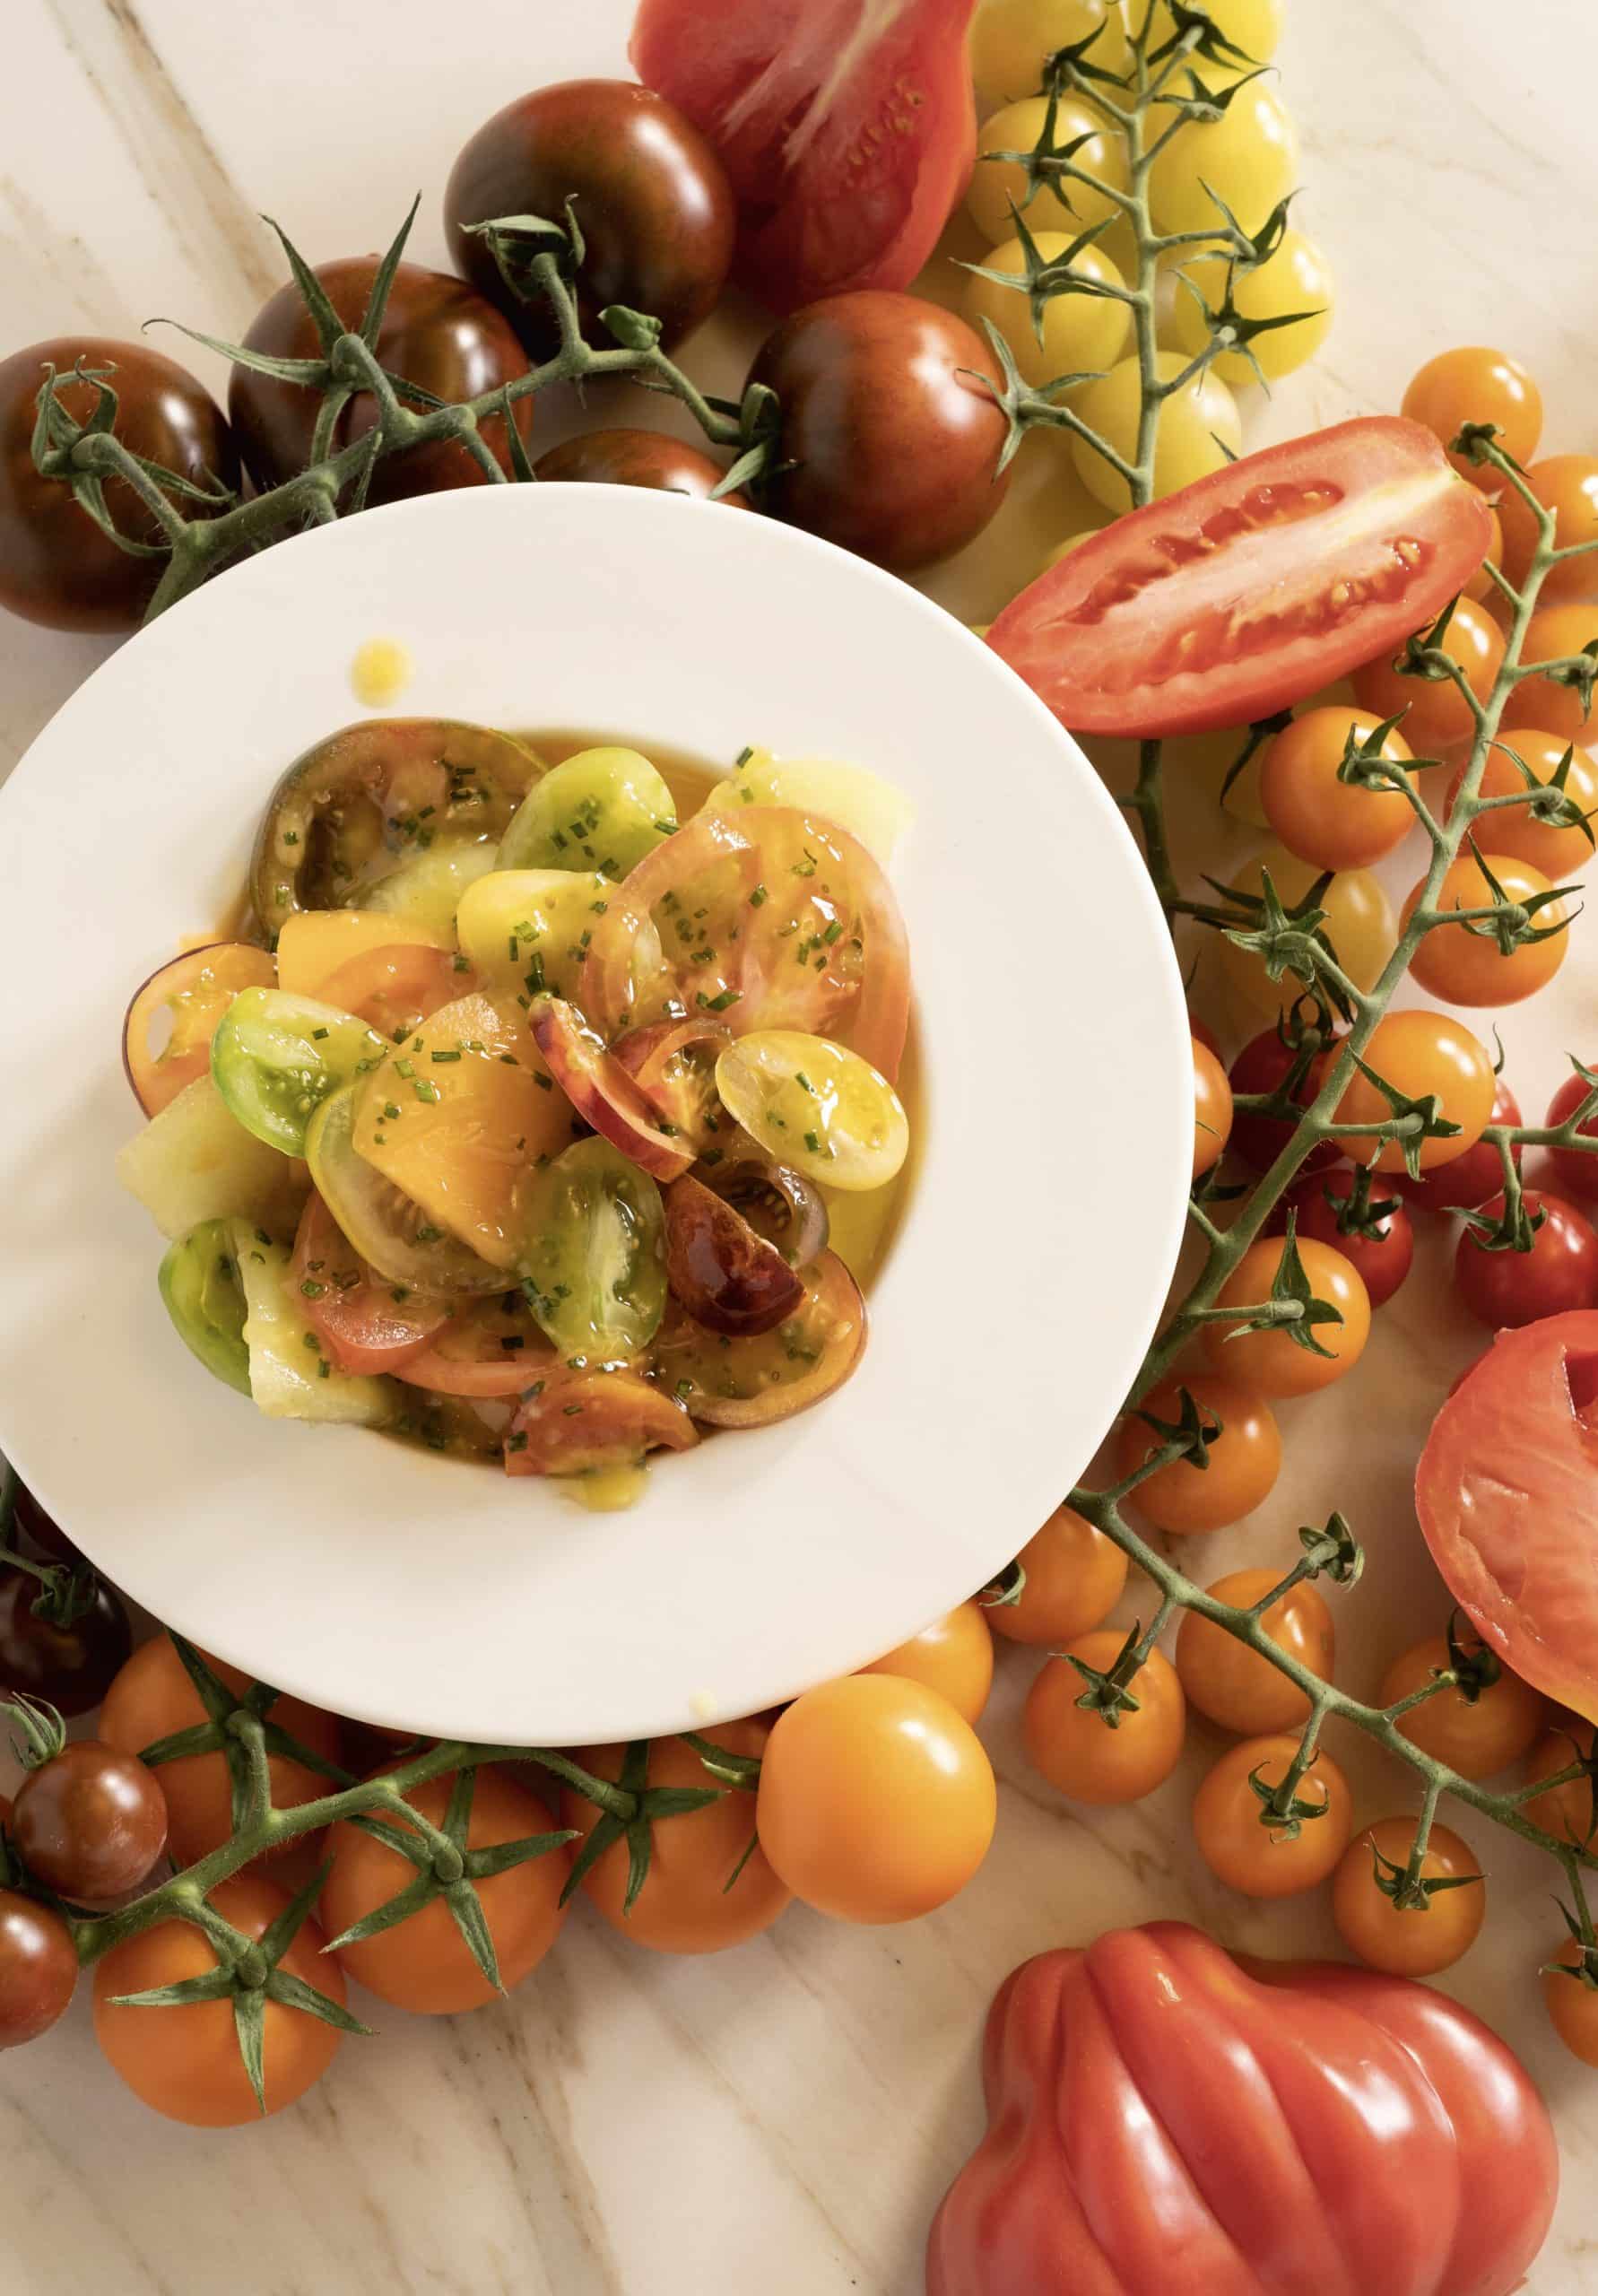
point(673, 1065)
point(583, 1422)
point(1577, 1168)
point(1245, 592)
point(490, 1347)
point(191, 994)
point(753, 1382)
point(603, 1093)
point(395, 988)
point(728, 1278)
point(1508, 1289)
point(767, 918)
point(848, 134)
point(366, 1323)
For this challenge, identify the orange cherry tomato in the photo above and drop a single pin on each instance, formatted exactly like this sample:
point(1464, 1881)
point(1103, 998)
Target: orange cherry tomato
point(1482, 585)
point(1272, 1363)
point(1558, 852)
point(1554, 634)
point(1422, 1055)
point(876, 1801)
point(1436, 713)
point(183, 2061)
point(423, 1964)
point(1473, 384)
point(1420, 1940)
point(1242, 1466)
point(1212, 1109)
point(1264, 1860)
point(1572, 2005)
point(1074, 1578)
point(1234, 1686)
point(1078, 1750)
point(152, 1697)
point(1335, 824)
point(1467, 966)
point(1568, 485)
point(686, 1905)
point(1569, 1811)
point(1477, 1737)
point(953, 1655)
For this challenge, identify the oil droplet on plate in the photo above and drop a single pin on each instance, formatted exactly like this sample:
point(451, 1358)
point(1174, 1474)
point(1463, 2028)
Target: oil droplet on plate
point(609, 1489)
point(380, 672)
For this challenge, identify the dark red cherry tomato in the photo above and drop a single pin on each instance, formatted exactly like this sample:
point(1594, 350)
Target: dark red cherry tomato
point(653, 203)
point(1577, 1168)
point(1507, 1289)
point(892, 442)
point(1329, 1214)
point(56, 566)
point(436, 332)
point(39, 1968)
point(1263, 1067)
point(728, 1277)
point(1471, 1178)
point(72, 1666)
point(637, 458)
point(89, 1824)
point(41, 1531)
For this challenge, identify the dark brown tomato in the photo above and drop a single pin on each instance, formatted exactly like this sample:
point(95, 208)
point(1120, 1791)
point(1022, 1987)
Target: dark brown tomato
point(41, 1531)
point(653, 203)
point(637, 458)
point(436, 332)
point(585, 1423)
point(726, 1276)
point(91, 1824)
point(893, 441)
point(39, 1968)
point(56, 566)
point(71, 1666)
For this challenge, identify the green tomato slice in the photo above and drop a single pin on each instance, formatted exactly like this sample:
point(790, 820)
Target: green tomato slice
point(276, 1057)
point(390, 1232)
point(815, 1105)
point(203, 1294)
point(603, 810)
point(594, 1263)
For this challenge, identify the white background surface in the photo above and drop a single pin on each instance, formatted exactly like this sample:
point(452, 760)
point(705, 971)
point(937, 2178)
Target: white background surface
point(788, 2116)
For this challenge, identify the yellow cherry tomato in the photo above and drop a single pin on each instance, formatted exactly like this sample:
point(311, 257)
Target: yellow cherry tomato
point(1423, 1055)
point(1243, 1462)
point(1568, 485)
point(1261, 1860)
point(1572, 2004)
point(1083, 334)
point(876, 1801)
point(1473, 384)
point(1554, 634)
point(1074, 1578)
point(1330, 824)
point(1212, 1109)
point(1234, 1686)
point(1076, 1748)
point(1011, 41)
point(1248, 158)
point(999, 187)
point(1255, 26)
point(1557, 851)
point(1467, 967)
point(1198, 426)
point(1295, 278)
point(1358, 924)
point(1476, 1736)
point(815, 1105)
point(953, 1655)
point(1272, 1363)
point(1420, 1939)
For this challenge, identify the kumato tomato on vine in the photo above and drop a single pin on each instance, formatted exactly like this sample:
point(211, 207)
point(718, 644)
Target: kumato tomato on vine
point(1241, 1464)
point(1473, 384)
point(953, 1655)
point(1421, 1056)
point(89, 1823)
point(39, 1969)
point(1103, 1756)
point(1466, 964)
point(1267, 1853)
point(1239, 1689)
point(1072, 1578)
point(1415, 1938)
point(1479, 1726)
point(65, 1648)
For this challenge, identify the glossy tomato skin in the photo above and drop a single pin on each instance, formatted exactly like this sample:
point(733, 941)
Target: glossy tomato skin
point(1211, 1109)
point(1271, 1363)
point(1244, 1460)
point(89, 1824)
point(1074, 1578)
point(1161, 2117)
point(1474, 383)
point(56, 566)
point(1381, 1258)
point(1416, 1942)
point(1114, 647)
point(1477, 1736)
point(1076, 1748)
point(1577, 1168)
point(653, 203)
point(71, 1666)
point(953, 1655)
point(1467, 1182)
point(1268, 1861)
point(1234, 1686)
point(1508, 1288)
point(436, 332)
point(1424, 1055)
point(848, 135)
point(1262, 1068)
point(184, 2062)
point(894, 443)
point(39, 1969)
point(1435, 714)
point(637, 458)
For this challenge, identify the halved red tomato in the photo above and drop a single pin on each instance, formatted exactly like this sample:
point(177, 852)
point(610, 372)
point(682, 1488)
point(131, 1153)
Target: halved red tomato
point(1507, 1491)
point(673, 1065)
point(490, 1347)
point(846, 125)
point(763, 919)
point(395, 988)
point(1257, 586)
point(365, 1322)
point(603, 1093)
point(752, 1382)
point(189, 997)
point(581, 1422)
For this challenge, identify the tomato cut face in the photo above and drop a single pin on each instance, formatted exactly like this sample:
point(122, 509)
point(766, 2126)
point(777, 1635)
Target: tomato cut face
point(1254, 587)
point(586, 1423)
point(602, 1092)
point(846, 125)
point(365, 1322)
point(1506, 1492)
point(755, 1380)
point(186, 998)
point(490, 1348)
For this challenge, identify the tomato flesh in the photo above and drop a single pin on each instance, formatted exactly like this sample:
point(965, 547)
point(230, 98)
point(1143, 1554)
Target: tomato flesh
point(1257, 586)
point(366, 1323)
point(191, 994)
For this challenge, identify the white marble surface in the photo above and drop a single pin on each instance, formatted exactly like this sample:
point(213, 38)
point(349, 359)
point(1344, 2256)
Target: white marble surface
point(785, 2116)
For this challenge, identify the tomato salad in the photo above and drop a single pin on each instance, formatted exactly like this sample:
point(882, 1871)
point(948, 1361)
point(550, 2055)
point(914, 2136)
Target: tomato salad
point(550, 1114)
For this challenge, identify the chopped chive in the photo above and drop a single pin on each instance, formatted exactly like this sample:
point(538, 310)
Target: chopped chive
point(446, 1056)
point(311, 1290)
point(318, 1034)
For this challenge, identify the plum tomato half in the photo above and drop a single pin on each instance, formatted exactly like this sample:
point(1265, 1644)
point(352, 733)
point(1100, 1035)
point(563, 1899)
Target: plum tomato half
point(1508, 1289)
point(70, 1666)
point(625, 457)
point(435, 333)
point(91, 1823)
point(1377, 1238)
point(1240, 1470)
point(890, 439)
point(56, 566)
point(654, 205)
point(1258, 585)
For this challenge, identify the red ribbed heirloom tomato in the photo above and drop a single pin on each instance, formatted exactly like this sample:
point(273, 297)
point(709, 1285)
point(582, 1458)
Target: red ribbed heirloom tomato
point(1162, 2118)
point(1507, 1491)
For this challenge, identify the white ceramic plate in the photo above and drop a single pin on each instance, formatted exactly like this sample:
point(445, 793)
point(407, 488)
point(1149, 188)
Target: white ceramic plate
point(1013, 1308)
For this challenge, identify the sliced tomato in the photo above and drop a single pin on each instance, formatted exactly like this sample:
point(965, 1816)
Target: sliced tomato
point(1257, 586)
point(581, 1422)
point(491, 1348)
point(602, 1092)
point(397, 988)
point(365, 1322)
point(764, 919)
point(166, 1038)
point(752, 1382)
point(847, 127)
point(1506, 1492)
point(673, 1065)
